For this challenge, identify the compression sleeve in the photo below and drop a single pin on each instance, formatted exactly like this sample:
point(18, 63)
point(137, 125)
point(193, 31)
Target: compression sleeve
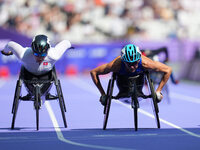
point(16, 48)
point(56, 52)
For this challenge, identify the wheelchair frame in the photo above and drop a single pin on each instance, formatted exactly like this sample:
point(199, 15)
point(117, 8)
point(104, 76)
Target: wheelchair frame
point(134, 99)
point(37, 96)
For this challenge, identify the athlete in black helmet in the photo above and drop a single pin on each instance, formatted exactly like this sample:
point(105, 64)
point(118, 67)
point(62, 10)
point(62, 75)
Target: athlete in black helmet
point(40, 46)
point(37, 60)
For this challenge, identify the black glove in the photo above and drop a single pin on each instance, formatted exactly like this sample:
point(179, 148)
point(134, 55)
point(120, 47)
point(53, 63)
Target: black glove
point(7, 53)
point(103, 99)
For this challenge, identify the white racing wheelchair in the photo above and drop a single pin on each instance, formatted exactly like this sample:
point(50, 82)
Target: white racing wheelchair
point(36, 95)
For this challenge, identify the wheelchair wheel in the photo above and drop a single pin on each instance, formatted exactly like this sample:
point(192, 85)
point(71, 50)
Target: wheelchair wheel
point(108, 102)
point(37, 104)
point(16, 102)
point(61, 103)
point(17, 92)
point(136, 118)
point(155, 105)
point(135, 104)
point(107, 92)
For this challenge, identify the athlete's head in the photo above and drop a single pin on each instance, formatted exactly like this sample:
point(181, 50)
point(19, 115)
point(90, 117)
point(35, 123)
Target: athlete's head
point(130, 55)
point(40, 46)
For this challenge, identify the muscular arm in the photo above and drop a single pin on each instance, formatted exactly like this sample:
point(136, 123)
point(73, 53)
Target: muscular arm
point(113, 66)
point(158, 67)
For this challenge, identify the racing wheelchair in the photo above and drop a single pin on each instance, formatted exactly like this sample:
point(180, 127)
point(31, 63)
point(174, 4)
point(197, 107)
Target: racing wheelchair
point(134, 94)
point(36, 96)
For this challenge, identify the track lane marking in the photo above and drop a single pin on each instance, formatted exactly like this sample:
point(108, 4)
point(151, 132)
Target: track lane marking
point(88, 87)
point(63, 139)
point(162, 120)
point(185, 97)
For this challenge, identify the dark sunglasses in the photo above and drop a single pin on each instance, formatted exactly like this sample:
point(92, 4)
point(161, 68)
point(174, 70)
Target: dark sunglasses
point(40, 55)
point(132, 63)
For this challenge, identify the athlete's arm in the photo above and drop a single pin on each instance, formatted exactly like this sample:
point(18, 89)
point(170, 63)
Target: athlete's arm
point(158, 67)
point(15, 48)
point(56, 52)
point(113, 66)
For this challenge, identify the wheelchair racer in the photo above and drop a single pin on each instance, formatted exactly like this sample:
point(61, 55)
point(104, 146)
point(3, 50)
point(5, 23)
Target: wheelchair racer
point(130, 63)
point(153, 54)
point(37, 60)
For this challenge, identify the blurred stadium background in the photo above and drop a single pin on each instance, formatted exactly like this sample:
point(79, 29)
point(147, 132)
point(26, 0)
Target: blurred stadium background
point(99, 28)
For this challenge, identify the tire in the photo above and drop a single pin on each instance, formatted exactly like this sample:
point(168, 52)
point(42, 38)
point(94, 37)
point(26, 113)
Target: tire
point(63, 101)
point(16, 102)
point(135, 106)
point(136, 118)
point(37, 106)
point(155, 105)
point(108, 102)
point(61, 106)
point(107, 93)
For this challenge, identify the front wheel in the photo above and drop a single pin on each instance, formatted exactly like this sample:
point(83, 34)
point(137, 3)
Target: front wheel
point(37, 104)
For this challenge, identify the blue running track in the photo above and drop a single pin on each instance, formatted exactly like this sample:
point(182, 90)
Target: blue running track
point(179, 116)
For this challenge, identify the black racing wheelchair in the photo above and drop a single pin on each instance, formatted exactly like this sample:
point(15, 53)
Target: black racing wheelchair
point(134, 94)
point(36, 97)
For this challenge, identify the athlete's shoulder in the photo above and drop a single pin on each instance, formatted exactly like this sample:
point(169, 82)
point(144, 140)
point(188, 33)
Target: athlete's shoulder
point(116, 64)
point(146, 62)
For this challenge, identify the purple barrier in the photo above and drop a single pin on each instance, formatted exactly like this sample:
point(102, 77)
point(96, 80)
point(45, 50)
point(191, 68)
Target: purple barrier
point(8, 35)
point(88, 56)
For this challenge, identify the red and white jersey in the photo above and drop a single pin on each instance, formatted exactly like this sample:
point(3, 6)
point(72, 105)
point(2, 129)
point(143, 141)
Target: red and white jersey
point(25, 55)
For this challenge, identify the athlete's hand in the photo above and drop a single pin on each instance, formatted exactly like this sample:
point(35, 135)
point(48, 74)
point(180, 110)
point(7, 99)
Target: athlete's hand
point(7, 53)
point(103, 99)
point(159, 96)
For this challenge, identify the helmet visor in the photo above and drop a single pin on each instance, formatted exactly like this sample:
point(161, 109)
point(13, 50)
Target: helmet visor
point(132, 63)
point(40, 55)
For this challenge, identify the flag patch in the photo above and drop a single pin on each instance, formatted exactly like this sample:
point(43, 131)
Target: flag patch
point(45, 63)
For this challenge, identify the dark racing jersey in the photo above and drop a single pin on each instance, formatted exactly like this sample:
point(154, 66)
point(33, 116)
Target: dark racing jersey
point(123, 70)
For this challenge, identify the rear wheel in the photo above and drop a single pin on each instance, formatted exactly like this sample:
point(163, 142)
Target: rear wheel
point(153, 95)
point(61, 103)
point(108, 101)
point(16, 102)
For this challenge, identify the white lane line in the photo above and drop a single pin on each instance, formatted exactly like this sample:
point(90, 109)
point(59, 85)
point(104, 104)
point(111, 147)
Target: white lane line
point(63, 139)
point(162, 120)
point(185, 97)
point(86, 86)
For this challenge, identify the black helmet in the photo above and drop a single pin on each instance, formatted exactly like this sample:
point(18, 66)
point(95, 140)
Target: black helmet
point(40, 45)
